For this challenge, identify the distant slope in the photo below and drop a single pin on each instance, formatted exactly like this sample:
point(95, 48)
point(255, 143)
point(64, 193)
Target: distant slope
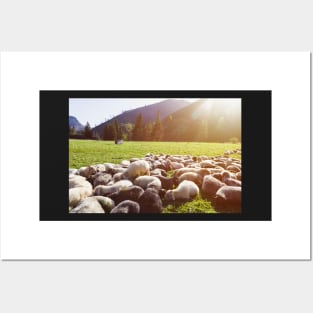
point(149, 113)
point(200, 121)
point(73, 122)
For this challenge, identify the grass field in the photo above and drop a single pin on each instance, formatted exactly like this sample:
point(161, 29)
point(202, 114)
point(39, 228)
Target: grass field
point(88, 152)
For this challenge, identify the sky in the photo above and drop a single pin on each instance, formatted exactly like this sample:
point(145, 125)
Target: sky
point(97, 111)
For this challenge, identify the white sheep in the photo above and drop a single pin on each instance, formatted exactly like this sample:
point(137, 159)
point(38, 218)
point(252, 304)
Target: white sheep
point(196, 178)
point(77, 194)
point(101, 190)
point(137, 168)
point(228, 199)
point(79, 189)
point(76, 181)
point(88, 205)
point(100, 167)
point(73, 171)
point(185, 191)
point(207, 163)
point(148, 182)
point(125, 163)
point(210, 185)
point(96, 204)
point(176, 165)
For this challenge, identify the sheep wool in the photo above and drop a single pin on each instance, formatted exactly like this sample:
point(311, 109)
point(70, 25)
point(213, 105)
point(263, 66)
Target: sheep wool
point(88, 205)
point(101, 190)
point(137, 168)
point(185, 191)
point(148, 182)
point(126, 207)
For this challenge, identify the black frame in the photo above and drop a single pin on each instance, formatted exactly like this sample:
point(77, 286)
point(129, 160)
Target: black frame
point(256, 154)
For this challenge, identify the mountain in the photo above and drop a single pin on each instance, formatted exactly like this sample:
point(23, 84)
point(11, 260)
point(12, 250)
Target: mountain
point(204, 121)
point(73, 122)
point(149, 113)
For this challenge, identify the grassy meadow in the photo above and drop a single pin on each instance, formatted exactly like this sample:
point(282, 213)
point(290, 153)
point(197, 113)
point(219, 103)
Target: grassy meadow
point(88, 152)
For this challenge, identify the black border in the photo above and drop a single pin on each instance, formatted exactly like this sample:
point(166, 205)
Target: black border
point(256, 154)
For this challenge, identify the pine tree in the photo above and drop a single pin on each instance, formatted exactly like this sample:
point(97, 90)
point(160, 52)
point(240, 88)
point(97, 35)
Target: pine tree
point(138, 128)
point(167, 128)
point(157, 129)
point(88, 131)
point(108, 133)
point(117, 131)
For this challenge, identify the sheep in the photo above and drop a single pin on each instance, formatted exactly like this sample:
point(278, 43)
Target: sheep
point(196, 178)
point(220, 164)
point(158, 171)
point(227, 174)
point(183, 170)
point(100, 178)
point(101, 190)
point(75, 195)
point(167, 182)
point(100, 167)
point(188, 161)
point(126, 207)
point(73, 171)
point(162, 163)
point(129, 193)
point(217, 176)
point(162, 193)
point(76, 181)
point(133, 160)
point(137, 168)
point(150, 202)
point(148, 181)
point(109, 167)
point(125, 163)
point(107, 203)
point(210, 185)
point(233, 168)
point(88, 205)
point(176, 165)
point(79, 189)
point(228, 199)
point(229, 180)
point(117, 177)
point(185, 191)
point(95, 204)
point(87, 171)
point(118, 169)
point(198, 170)
point(207, 164)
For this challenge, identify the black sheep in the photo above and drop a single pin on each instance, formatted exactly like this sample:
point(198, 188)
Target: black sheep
point(132, 193)
point(150, 202)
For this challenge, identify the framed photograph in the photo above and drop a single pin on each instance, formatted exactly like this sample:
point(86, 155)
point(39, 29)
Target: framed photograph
point(155, 156)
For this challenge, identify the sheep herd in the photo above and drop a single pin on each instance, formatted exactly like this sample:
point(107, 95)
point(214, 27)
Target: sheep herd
point(148, 184)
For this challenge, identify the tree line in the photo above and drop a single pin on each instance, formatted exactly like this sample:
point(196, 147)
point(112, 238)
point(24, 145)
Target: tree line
point(168, 129)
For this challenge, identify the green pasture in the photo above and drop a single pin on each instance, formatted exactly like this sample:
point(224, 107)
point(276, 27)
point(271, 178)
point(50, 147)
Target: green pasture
point(88, 152)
